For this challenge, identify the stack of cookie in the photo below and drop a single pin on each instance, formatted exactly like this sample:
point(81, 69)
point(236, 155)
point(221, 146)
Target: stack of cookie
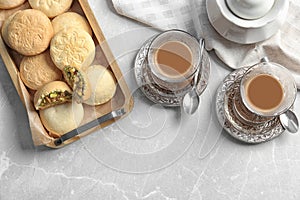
point(58, 53)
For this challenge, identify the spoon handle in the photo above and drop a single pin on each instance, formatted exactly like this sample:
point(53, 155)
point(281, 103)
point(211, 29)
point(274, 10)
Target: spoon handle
point(199, 67)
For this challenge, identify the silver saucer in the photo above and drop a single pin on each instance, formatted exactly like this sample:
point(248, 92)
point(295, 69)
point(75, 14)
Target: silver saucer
point(239, 129)
point(160, 95)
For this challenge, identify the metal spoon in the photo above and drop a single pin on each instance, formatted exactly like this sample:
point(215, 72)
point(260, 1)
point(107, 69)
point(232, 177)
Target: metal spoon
point(191, 99)
point(289, 121)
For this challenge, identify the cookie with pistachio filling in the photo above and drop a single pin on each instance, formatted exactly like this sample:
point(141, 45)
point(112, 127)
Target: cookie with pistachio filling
point(78, 82)
point(51, 94)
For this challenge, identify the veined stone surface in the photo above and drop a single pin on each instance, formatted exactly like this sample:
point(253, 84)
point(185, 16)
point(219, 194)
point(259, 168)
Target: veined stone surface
point(155, 153)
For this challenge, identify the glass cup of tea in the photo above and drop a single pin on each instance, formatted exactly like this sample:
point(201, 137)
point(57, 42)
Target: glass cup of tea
point(267, 90)
point(173, 59)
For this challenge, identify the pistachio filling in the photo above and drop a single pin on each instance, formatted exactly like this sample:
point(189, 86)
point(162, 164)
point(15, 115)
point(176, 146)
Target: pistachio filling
point(76, 81)
point(54, 98)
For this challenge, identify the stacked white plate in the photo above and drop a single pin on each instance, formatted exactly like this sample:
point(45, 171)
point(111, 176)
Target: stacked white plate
point(247, 21)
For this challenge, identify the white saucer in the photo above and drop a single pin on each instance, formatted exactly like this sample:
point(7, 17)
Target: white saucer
point(160, 95)
point(245, 31)
point(249, 133)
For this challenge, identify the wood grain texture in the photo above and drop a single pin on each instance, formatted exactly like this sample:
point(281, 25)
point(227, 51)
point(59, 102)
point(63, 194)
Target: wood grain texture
point(104, 56)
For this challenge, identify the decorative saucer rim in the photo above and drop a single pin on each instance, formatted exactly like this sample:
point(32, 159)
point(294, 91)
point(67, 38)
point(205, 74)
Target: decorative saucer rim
point(157, 94)
point(228, 125)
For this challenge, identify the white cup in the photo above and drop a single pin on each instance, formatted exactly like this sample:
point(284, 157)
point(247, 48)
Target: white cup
point(250, 9)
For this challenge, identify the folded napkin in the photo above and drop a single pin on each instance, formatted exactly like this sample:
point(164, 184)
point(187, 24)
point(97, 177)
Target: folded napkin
point(283, 47)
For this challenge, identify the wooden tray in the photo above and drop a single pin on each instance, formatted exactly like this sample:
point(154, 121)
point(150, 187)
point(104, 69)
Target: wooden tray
point(121, 100)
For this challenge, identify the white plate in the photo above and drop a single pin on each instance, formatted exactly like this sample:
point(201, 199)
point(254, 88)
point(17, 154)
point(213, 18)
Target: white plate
point(245, 31)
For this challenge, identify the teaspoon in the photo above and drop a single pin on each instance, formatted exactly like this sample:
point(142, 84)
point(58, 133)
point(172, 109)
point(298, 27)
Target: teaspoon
point(289, 121)
point(191, 99)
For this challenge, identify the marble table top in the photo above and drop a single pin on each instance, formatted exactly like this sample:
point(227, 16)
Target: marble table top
point(155, 153)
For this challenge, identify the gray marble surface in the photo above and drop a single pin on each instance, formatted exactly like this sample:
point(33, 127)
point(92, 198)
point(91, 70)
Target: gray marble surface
point(155, 153)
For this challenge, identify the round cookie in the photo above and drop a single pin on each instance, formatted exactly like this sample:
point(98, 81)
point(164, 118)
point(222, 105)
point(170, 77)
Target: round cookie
point(5, 25)
point(103, 85)
point(72, 47)
point(30, 32)
point(68, 20)
point(51, 8)
point(36, 71)
point(79, 83)
point(51, 94)
point(9, 4)
point(63, 118)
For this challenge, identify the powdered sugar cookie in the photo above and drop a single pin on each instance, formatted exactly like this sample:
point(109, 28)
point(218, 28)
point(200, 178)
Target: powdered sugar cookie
point(72, 47)
point(51, 8)
point(61, 119)
point(103, 85)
